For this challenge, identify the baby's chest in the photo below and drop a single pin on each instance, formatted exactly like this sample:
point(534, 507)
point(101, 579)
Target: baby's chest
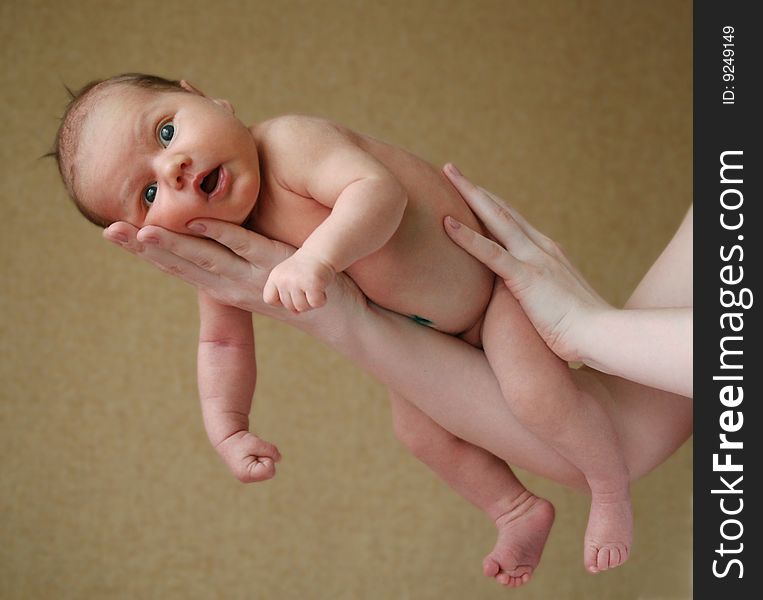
point(292, 218)
point(289, 217)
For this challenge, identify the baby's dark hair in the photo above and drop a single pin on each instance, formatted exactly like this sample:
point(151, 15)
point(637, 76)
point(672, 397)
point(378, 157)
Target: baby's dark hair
point(68, 134)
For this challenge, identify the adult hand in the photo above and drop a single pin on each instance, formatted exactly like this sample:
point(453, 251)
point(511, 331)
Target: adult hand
point(231, 266)
point(553, 294)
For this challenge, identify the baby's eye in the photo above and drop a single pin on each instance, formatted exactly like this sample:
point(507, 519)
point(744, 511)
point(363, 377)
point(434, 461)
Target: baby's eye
point(149, 194)
point(166, 133)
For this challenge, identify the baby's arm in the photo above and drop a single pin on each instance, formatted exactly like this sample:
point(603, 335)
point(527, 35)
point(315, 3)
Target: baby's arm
point(227, 374)
point(319, 161)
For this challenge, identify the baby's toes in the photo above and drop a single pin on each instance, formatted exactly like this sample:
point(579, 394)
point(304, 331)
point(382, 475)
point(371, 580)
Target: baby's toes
point(490, 566)
point(602, 559)
point(590, 557)
point(618, 554)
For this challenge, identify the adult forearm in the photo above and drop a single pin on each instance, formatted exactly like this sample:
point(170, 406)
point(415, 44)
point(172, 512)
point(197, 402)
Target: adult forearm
point(418, 363)
point(453, 383)
point(649, 346)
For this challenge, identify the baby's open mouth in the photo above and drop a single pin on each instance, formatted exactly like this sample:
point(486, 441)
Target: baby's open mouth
point(209, 183)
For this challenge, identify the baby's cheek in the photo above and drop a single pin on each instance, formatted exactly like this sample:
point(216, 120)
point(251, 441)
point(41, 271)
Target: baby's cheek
point(173, 218)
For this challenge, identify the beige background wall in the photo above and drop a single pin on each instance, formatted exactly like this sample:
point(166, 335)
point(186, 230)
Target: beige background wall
point(578, 112)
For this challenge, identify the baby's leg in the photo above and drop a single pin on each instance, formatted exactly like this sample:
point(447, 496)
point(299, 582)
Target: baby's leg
point(523, 520)
point(541, 393)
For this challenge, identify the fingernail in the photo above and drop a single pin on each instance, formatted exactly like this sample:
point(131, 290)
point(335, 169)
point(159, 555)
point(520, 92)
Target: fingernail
point(119, 238)
point(197, 227)
point(454, 169)
point(150, 240)
point(452, 223)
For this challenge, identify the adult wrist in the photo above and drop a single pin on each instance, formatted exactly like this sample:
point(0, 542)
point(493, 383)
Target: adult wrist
point(337, 320)
point(589, 330)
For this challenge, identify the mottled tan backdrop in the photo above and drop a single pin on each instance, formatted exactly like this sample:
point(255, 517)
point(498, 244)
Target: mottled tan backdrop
point(578, 112)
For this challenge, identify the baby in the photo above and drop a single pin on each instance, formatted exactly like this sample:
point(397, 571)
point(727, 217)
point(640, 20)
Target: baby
point(150, 151)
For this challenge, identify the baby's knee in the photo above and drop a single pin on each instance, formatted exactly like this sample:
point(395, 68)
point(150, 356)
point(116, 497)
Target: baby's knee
point(419, 439)
point(538, 406)
point(409, 436)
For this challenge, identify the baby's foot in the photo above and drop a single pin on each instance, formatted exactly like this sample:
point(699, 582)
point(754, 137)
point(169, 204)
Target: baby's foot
point(522, 533)
point(609, 534)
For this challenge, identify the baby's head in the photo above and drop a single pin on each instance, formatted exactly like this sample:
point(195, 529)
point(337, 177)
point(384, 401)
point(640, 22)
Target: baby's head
point(151, 151)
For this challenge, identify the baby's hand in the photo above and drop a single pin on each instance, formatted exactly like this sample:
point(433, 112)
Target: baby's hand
point(299, 283)
point(249, 457)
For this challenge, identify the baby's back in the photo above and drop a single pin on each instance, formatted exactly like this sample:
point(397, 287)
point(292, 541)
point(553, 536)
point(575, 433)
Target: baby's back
point(419, 271)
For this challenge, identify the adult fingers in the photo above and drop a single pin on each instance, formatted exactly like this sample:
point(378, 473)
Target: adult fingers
point(125, 235)
point(493, 255)
point(205, 254)
point(540, 239)
point(493, 213)
point(253, 247)
point(507, 224)
point(549, 246)
point(544, 242)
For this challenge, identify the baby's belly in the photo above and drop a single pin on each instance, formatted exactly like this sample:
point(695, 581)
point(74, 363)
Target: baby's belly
point(421, 273)
point(452, 302)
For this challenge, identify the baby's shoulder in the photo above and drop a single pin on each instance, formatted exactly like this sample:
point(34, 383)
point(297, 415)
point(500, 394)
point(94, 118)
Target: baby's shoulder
point(290, 146)
point(299, 131)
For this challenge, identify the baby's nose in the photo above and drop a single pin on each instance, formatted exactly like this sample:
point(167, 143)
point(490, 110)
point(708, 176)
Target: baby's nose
point(175, 170)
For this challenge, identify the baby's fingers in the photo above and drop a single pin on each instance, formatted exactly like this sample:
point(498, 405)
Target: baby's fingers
point(270, 294)
point(493, 255)
point(284, 296)
point(256, 469)
point(316, 298)
point(309, 298)
point(299, 300)
point(258, 448)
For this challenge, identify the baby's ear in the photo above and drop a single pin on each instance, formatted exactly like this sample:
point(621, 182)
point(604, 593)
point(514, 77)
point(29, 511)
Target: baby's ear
point(189, 88)
point(225, 104)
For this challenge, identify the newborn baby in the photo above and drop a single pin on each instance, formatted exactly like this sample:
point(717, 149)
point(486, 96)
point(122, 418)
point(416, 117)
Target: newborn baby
point(151, 151)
